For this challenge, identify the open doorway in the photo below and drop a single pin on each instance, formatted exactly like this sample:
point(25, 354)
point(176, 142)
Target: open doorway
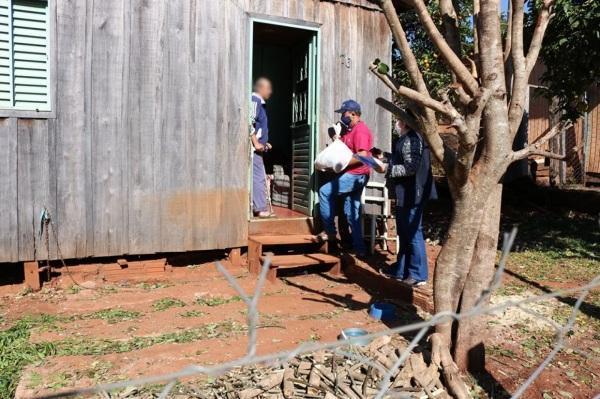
point(287, 56)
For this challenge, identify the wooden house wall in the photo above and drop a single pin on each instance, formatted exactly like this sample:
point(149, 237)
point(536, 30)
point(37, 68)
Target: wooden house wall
point(582, 153)
point(148, 150)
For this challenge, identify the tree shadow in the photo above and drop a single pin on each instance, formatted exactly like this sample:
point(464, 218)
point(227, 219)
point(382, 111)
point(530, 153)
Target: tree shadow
point(586, 308)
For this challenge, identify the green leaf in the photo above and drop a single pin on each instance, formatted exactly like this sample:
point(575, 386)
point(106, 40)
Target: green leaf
point(383, 68)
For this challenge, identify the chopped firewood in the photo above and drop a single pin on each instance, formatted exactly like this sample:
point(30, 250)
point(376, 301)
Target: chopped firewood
point(250, 393)
point(288, 384)
point(378, 342)
point(304, 367)
point(351, 373)
point(314, 380)
point(272, 381)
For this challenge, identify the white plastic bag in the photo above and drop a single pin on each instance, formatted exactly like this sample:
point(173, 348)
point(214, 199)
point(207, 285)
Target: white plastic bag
point(335, 156)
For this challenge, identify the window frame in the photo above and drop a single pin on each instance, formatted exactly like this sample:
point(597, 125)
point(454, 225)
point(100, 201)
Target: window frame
point(51, 114)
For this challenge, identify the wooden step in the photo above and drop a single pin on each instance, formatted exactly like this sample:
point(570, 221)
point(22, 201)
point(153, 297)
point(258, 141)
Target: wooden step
point(256, 244)
point(302, 225)
point(287, 239)
point(301, 260)
point(287, 261)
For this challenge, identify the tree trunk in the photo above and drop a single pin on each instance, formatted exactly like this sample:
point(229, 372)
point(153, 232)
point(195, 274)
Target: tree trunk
point(454, 260)
point(469, 350)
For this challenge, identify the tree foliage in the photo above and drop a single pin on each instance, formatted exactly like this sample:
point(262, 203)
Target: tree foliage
point(434, 70)
point(571, 52)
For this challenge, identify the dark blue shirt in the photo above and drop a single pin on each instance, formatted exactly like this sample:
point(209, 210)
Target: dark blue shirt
point(410, 170)
point(260, 122)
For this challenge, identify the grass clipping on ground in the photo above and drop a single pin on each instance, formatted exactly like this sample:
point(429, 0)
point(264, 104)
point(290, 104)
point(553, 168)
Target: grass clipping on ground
point(18, 351)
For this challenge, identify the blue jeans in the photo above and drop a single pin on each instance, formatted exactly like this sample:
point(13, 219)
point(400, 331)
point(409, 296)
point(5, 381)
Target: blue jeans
point(412, 258)
point(350, 187)
point(259, 184)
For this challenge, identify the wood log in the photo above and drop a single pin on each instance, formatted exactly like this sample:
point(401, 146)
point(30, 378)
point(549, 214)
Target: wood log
point(304, 367)
point(272, 380)
point(250, 393)
point(314, 381)
point(378, 342)
point(288, 384)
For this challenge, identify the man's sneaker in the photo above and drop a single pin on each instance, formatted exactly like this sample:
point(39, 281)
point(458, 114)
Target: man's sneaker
point(414, 283)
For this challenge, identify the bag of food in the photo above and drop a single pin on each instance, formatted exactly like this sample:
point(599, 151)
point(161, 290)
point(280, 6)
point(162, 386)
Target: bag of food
point(336, 156)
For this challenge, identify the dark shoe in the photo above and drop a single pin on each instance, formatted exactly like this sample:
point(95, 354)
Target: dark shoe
point(387, 272)
point(414, 283)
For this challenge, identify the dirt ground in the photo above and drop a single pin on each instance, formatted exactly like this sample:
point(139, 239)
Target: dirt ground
point(140, 326)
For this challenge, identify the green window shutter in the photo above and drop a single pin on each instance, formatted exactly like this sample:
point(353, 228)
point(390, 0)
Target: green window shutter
point(24, 66)
point(5, 55)
point(30, 55)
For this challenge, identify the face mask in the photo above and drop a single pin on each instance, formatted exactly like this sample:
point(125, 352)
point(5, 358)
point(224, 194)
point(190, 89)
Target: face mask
point(345, 120)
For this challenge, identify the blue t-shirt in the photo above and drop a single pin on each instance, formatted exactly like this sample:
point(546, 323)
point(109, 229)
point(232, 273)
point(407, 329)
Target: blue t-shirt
point(259, 119)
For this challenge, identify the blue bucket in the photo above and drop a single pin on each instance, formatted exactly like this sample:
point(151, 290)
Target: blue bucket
point(354, 333)
point(382, 311)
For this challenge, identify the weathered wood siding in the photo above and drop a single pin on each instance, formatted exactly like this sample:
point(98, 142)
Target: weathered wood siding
point(148, 150)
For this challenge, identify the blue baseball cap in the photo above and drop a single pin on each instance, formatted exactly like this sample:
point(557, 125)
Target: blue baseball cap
point(349, 105)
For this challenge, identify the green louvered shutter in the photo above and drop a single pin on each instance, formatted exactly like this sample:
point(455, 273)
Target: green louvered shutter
point(5, 55)
point(24, 67)
point(30, 54)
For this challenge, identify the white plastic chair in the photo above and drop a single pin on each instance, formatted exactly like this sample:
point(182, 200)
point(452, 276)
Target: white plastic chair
point(384, 203)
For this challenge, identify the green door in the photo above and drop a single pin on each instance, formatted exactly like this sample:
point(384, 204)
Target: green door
point(304, 125)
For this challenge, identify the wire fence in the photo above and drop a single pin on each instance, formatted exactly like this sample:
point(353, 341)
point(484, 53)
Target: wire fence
point(345, 347)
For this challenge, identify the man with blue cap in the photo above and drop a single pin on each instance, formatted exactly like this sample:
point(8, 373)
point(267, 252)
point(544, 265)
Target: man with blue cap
point(350, 183)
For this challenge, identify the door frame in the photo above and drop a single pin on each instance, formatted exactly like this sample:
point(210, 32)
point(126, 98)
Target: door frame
point(315, 28)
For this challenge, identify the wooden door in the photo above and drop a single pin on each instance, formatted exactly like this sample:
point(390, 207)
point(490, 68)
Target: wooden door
point(303, 125)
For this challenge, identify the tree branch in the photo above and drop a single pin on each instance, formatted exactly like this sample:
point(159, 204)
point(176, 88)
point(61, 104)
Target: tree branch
point(456, 66)
point(523, 65)
point(508, 42)
point(450, 24)
point(519, 69)
point(446, 108)
point(467, 140)
point(408, 57)
point(535, 148)
point(538, 34)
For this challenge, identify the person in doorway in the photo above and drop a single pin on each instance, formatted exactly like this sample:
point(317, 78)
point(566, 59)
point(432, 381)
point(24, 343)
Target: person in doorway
point(350, 183)
point(412, 179)
point(260, 141)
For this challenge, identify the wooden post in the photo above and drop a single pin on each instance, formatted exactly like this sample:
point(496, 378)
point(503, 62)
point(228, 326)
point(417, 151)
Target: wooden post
point(32, 275)
point(235, 257)
point(254, 253)
point(336, 270)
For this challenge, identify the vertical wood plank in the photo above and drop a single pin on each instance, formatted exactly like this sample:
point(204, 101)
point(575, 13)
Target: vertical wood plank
point(9, 233)
point(144, 124)
point(108, 152)
point(35, 152)
point(330, 62)
point(72, 137)
point(173, 177)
